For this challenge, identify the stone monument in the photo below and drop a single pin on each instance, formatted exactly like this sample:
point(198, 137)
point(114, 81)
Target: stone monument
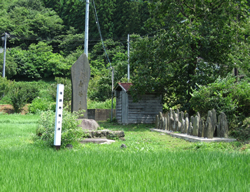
point(80, 75)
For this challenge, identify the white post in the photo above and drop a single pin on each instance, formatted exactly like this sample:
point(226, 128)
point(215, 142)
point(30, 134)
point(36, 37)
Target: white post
point(128, 61)
point(4, 57)
point(86, 36)
point(58, 119)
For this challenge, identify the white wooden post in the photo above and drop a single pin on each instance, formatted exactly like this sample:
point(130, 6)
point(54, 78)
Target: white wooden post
point(58, 119)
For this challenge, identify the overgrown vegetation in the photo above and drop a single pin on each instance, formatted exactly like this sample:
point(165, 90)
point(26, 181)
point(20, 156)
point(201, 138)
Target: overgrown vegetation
point(71, 133)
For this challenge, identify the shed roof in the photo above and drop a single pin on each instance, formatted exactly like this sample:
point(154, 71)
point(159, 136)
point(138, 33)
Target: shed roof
point(124, 86)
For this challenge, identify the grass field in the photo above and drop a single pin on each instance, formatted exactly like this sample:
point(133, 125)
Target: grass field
point(151, 162)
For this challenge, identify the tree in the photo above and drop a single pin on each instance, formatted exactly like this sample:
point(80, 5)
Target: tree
point(29, 22)
point(197, 45)
point(40, 62)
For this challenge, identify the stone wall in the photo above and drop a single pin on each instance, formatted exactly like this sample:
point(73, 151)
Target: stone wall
point(179, 121)
point(100, 114)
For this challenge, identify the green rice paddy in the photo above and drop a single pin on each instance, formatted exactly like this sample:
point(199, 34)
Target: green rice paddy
point(151, 162)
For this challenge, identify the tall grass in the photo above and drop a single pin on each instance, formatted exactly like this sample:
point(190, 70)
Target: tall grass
point(101, 105)
point(31, 169)
point(147, 164)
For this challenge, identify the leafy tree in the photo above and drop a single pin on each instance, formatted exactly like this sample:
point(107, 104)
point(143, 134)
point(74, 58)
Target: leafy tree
point(197, 46)
point(10, 65)
point(22, 93)
point(29, 22)
point(39, 61)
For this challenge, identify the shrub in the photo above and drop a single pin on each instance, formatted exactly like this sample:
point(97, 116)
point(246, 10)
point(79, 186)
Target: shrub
point(70, 130)
point(41, 104)
point(22, 93)
point(4, 86)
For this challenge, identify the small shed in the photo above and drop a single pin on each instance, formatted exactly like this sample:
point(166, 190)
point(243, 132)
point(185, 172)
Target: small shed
point(143, 111)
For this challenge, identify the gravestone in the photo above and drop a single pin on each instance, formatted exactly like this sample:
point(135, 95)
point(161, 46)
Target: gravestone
point(156, 121)
point(223, 125)
point(209, 128)
point(196, 122)
point(171, 120)
point(176, 120)
point(80, 75)
point(165, 123)
point(183, 124)
point(190, 129)
point(201, 128)
point(214, 119)
point(186, 124)
point(160, 120)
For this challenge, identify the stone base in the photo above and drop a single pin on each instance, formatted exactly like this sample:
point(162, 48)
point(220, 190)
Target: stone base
point(193, 138)
point(97, 140)
point(104, 133)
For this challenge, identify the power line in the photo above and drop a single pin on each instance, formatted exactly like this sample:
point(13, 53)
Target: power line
point(99, 30)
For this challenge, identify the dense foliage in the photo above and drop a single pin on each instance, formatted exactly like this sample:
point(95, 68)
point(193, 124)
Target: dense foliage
point(195, 43)
point(229, 96)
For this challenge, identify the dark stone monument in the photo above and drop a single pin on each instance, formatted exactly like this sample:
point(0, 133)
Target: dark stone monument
point(223, 126)
point(209, 128)
point(80, 75)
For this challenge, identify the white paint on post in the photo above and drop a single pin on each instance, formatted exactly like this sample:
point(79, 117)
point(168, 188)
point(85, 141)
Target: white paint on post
point(59, 111)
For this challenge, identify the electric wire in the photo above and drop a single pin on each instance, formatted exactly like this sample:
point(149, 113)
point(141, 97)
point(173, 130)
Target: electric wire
point(99, 30)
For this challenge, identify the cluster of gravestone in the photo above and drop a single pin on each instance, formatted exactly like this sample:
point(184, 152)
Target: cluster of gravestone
point(180, 122)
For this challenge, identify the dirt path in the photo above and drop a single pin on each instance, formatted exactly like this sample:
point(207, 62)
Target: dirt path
point(6, 108)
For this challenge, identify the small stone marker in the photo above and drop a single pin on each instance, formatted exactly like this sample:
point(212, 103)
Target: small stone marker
point(80, 75)
point(209, 128)
point(196, 125)
point(223, 125)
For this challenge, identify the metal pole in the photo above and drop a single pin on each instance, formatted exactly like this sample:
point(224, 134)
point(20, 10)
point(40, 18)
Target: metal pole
point(112, 94)
point(128, 61)
point(4, 57)
point(86, 37)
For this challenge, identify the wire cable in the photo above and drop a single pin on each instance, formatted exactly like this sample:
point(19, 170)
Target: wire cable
point(99, 30)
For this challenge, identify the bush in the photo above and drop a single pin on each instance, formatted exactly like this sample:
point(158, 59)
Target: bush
point(101, 105)
point(224, 95)
point(21, 93)
point(4, 86)
point(41, 104)
point(70, 130)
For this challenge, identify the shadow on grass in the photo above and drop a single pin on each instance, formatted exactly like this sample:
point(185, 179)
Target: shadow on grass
point(131, 127)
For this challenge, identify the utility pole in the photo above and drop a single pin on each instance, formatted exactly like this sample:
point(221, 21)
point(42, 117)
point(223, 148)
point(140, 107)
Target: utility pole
point(112, 77)
point(86, 36)
point(128, 61)
point(4, 57)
